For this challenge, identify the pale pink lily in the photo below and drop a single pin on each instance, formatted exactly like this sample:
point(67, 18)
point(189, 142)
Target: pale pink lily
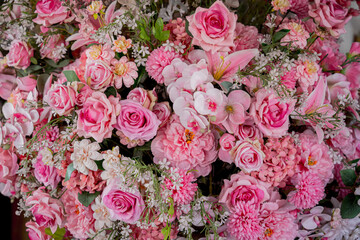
point(314, 218)
point(315, 102)
point(224, 67)
point(233, 110)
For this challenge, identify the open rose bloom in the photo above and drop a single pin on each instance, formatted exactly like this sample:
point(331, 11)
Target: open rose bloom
point(154, 120)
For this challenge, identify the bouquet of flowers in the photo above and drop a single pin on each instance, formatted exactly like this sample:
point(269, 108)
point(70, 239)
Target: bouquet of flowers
point(139, 119)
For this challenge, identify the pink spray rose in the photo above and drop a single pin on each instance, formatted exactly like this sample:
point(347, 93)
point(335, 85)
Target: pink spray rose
point(330, 15)
point(213, 29)
point(19, 55)
point(247, 155)
point(242, 189)
point(162, 111)
point(27, 83)
point(47, 211)
point(270, 113)
point(183, 148)
point(8, 168)
point(46, 174)
point(36, 232)
point(137, 122)
point(147, 98)
point(122, 205)
point(227, 142)
point(50, 12)
point(61, 98)
point(98, 115)
point(98, 75)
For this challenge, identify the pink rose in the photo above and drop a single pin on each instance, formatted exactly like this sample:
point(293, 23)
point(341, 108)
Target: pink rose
point(270, 113)
point(243, 189)
point(47, 211)
point(8, 168)
point(19, 55)
point(137, 122)
point(27, 83)
point(330, 15)
point(61, 98)
point(144, 97)
point(98, 75)
point(123, 206)
point(162, 111)
point(48, 49)
point(50, 12)
point(248, 155)
point(248, 131)
point(46, 174)
point(352, 72)
point(227, 142)
point(36, 232)
point(7, 85)
point(83, 94)
point(213, 29)
point(97, 117)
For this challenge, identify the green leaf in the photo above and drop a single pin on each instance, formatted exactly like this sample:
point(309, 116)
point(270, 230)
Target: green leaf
point(69, 171)
point(86, 198)
point(99, 165)
point(349, 206)
point(265, 47)
point(280, 34)
point(226, 86)
point(33, 60)
point(58, 235)
point(166, 231)
point(187, 28)
point(91, 44)
point(158, 31)
point(354, 161)
point(143, 34)
point(32, 68)
point(41, 81)
point(348, 176)
point(141, 78)
point(71, 76)
point(171, 209)
point(61, 64)
point(110, 91)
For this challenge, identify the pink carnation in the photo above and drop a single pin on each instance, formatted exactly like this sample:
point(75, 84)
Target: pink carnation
point(281, 159)
point(289, 79)
point(183, 148)
point(47, 211)
point(178, 32)
point(297, 35)
point(158, 60)
point(246, 37)
point(244, 223)
point(185, 193)
point(310, 189)
point(48, 49)
point(79, 219)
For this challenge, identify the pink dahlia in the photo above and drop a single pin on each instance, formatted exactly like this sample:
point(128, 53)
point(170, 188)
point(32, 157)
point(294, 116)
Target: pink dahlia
point(281, 159)
point(244, 223)
point(158, 60)
point(183, 188)
point(309, 191)
point(183, 148)
point(297, 35)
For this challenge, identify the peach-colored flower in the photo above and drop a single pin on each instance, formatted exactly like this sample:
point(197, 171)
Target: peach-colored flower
point(124, 72)
point(121, 44)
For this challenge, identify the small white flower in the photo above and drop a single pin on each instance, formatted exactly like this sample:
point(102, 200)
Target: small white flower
point(47, 156)
point(84, 156)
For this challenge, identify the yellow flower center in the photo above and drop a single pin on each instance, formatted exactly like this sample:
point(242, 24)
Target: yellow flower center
point(120, 69)
point(311, 67)
point(311, 161)
point(95, 51)
point(189, 136)
point(219, 72)
point(268, 232)
point(229, 109)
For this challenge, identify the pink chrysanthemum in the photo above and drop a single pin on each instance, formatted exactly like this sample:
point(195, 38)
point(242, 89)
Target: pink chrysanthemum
point(52, 134)
point(282, 157)
point(183, 188)
point(244, 223)
point(158, 60)
point(309, 190)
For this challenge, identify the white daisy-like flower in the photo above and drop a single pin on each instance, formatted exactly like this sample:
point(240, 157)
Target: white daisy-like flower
point(101, 214)
point(84, 156)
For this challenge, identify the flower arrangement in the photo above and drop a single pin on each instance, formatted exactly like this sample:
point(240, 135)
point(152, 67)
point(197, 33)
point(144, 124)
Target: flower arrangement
point(138, 119)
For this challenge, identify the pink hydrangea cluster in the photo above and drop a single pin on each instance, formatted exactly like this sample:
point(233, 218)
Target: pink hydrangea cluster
point(282, 157)
point(178, 32)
